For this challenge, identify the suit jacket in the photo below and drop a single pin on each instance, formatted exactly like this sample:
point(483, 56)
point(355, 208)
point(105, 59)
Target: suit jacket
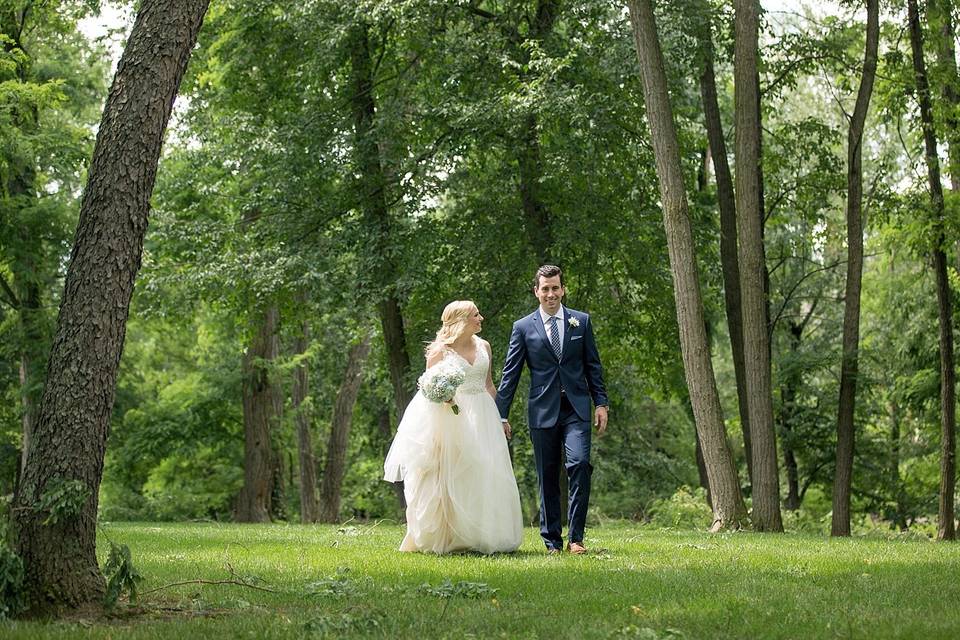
point(578, 373)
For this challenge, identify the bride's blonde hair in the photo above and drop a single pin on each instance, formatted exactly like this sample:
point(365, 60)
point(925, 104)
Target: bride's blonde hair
point(454, 318)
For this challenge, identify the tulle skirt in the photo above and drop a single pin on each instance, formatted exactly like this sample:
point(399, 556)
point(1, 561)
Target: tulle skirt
point(458, 480)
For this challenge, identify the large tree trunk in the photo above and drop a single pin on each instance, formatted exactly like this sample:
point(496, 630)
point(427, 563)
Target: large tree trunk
point(728, 234)
point(309, 505)
point(373, 199)
point(261, 410)
point(71, 431)
point(335, 467)
point(756, 342)
point(840, 523)
point(945, 529)
point(728, 507)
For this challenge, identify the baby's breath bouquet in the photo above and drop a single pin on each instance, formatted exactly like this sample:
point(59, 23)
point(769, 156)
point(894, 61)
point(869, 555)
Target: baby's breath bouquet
point(439, 383)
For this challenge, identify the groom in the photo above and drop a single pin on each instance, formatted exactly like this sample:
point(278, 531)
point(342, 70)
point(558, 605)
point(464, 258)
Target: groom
point(565, 375)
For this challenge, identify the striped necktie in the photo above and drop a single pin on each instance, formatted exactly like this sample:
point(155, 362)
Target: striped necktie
point(554, 336)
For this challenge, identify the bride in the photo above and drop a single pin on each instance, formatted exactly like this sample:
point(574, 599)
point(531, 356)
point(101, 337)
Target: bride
point(458, 480)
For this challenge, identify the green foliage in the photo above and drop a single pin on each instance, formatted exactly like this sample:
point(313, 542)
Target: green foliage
point(336, 586)
point(363, 622)
point(11, 582)
point(122, 576)
point(686, 509)
point(462, 589)
point(62, 499)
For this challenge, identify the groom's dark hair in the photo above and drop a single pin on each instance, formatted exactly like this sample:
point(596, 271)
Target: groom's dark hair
point(547, 271)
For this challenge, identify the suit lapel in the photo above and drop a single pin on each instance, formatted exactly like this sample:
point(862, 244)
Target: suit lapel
point(538, 323)
point(567, 330)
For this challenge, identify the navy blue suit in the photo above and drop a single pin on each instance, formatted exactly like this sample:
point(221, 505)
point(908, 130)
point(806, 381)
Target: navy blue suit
point(558, 412)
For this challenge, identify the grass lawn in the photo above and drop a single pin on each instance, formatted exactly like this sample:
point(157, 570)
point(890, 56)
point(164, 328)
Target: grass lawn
point(638, 582)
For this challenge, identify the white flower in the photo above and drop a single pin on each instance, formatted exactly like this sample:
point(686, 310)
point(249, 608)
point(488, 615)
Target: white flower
point(573, 321)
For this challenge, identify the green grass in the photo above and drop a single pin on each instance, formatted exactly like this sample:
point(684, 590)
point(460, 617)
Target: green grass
point(640, 582)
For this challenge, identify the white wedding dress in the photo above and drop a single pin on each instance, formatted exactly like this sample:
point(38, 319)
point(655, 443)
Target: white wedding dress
point(458, 480)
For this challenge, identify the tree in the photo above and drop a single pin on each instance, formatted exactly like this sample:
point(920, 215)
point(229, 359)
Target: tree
point(309, 505)
point(262, 405)
point(55, 508)
point(726, 200)
point(756, 343)
point(840, 523)
point(372, 185)
point(50, 89)
point(945, 528)
point(728, 508)
point(335, 466)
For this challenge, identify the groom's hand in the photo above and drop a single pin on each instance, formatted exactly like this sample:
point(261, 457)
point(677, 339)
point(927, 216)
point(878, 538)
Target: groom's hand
point(507, 431)
point(600, 420)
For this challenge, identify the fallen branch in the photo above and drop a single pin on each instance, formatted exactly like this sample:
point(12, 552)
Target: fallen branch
point(236, 582)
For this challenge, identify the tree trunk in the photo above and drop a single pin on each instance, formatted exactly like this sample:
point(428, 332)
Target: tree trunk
point(940, 18)
point(309, 506)
point(945, 529)
point(896, 486)
point(261, 410)
point(335, 467)
point(788, 401)
point(728, 235)
point(71, 430)
point(840, 523)
point(372, 187)
point(536, 213)
point(728, 508)
point(756, 343)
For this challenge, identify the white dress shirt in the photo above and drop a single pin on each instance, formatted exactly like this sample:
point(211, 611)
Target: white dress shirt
point(545, 317)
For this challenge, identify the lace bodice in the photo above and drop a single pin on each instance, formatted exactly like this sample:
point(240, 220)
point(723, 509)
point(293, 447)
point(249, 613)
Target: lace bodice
point(475, 380)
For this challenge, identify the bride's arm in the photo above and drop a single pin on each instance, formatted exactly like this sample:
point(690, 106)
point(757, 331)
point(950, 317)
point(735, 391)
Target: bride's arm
point(492, 390)
point(434, 358)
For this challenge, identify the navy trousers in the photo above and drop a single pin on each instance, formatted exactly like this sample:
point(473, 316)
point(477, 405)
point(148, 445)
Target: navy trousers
point(572, 436)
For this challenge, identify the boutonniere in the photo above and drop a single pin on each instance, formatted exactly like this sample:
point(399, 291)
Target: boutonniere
point(573, 321)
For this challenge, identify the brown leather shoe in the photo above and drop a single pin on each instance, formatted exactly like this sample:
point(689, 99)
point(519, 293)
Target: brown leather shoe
point(553, 552)
point(576, 548)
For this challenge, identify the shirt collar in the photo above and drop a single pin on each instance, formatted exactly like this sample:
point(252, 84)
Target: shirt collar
point(545, 317)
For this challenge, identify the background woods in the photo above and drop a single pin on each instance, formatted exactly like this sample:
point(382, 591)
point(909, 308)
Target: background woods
point(756, 204)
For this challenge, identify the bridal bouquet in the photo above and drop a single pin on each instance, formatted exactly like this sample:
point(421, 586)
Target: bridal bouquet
point(440, 382)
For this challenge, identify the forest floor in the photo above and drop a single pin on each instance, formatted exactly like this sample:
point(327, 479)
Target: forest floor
point(637, 582)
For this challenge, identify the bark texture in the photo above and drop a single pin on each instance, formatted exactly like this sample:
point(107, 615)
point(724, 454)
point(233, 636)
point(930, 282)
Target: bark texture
point(840, 522)
point(309, 505)
point(262, 405)
point(729, 263)
point(71, 430)
point(945, 527)
point(753, 271)
point(335, 467)
point(728, 507)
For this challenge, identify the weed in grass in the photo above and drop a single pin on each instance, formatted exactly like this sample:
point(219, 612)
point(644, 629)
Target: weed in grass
point(646, 633)
point(363, 621)
point(336, 586)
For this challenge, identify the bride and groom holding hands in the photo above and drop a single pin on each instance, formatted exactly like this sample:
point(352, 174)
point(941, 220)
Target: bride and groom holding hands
point(452, 456)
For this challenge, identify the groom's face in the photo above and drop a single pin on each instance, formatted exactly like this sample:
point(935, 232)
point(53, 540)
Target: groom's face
point(549, 292)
